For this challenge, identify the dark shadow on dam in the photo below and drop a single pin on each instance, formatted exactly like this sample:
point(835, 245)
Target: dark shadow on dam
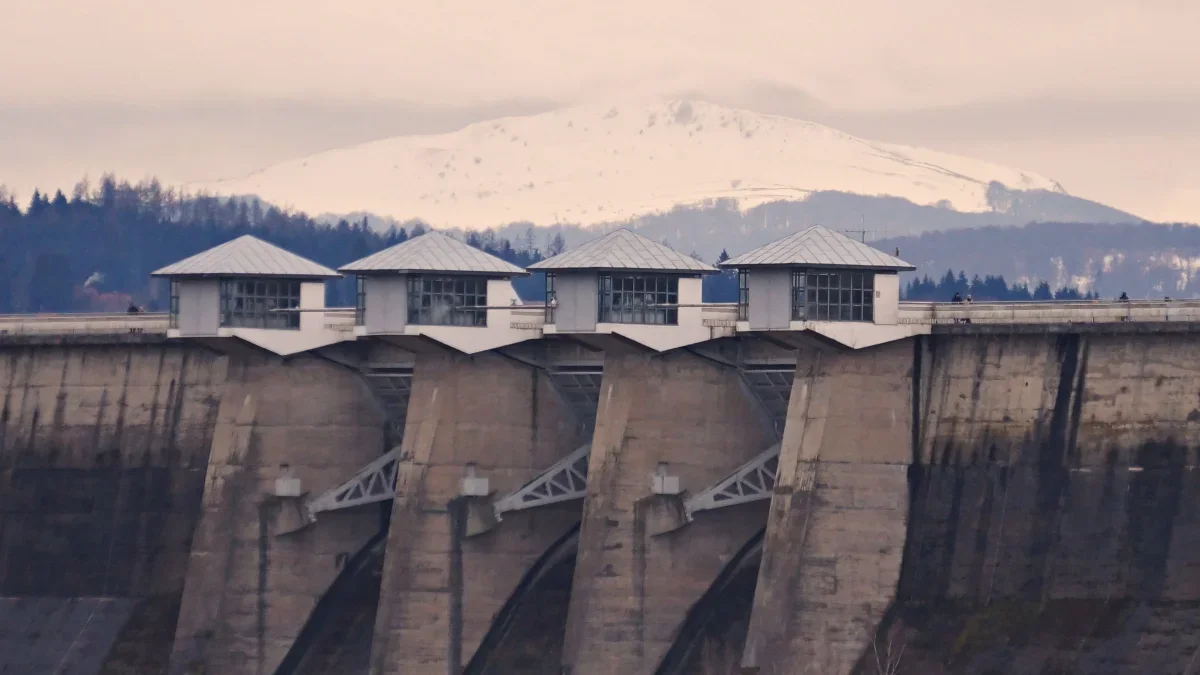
point(527, 635)
point(336, 638)
point(713, 635)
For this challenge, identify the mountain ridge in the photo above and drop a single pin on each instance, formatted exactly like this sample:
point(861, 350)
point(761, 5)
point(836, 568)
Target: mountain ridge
point(601, 164)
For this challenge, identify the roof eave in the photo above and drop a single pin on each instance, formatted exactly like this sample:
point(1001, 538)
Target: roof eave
point(624, 269)
point(473, 273)
point(243, 275)
point(876, 268)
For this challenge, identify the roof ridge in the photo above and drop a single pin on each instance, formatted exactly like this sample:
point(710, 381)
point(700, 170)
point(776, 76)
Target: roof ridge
point(818, 245)
point(441, 253)
point(623, 248)
point(246, 255)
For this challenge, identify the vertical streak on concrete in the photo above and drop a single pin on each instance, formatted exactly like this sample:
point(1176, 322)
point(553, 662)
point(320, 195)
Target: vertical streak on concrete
point(836, 533)
point(458, 529)
point(632, 589)
point(261, 605)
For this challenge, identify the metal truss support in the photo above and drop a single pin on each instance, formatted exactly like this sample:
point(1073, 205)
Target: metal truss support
point(564, 481)
point(392, 385)
point(772, 385)
point(376, 482)
point(580, 386)
point(751, 482)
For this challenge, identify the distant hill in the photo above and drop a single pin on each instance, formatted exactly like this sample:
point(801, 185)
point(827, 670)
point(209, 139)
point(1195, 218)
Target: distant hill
point(1146, 260)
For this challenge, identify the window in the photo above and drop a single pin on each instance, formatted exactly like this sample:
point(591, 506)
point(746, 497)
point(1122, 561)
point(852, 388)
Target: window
point(743, 295)
point(639, 298)
point(447, 301)
point(819, 295)
point(360, 301)
point(173, 307)
point(551, 297)
point(255, 303)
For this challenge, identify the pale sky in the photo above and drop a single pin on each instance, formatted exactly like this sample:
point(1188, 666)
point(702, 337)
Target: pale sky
point(1100, 95)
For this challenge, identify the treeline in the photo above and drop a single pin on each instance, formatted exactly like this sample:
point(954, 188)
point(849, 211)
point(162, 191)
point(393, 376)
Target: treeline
point(94, 250)
point(993, 288)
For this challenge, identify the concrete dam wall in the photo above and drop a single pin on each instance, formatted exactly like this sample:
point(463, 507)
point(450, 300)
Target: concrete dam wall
point(103, 452)
point(973, 501)
point(1055, 508)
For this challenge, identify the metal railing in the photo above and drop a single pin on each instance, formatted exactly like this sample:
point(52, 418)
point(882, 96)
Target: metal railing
point(527, 317)
point(340, 319)
point(1061, 311)
point(716, 315)
point(73, 324)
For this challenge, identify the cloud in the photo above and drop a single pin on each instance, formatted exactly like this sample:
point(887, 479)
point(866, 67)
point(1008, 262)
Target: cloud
point(857, 53)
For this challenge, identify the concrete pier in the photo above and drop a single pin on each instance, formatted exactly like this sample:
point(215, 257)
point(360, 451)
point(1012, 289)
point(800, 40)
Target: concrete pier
point(250, 588)
point(442, 590)
point(835, 538)
point(632, 589)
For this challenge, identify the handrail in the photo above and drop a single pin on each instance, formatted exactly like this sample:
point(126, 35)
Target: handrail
point(1050, 303)
point(123, 316)
point(93, 323)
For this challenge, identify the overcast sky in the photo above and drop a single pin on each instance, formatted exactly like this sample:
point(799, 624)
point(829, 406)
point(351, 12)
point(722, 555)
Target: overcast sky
point(1101, 96)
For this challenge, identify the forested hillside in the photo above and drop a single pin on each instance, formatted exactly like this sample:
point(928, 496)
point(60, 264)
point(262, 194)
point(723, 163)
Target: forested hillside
point(94, 250)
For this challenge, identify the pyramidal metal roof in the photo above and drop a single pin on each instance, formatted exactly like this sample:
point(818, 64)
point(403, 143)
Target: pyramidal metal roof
point(246, 256)
point(624, 250)
point(433, 252)
point(819, 247)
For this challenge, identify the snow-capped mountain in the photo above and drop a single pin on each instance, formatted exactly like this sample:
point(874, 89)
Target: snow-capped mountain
point(601, 164)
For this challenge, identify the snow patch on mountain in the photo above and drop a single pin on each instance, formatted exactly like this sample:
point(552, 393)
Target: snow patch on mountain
point(596, 164)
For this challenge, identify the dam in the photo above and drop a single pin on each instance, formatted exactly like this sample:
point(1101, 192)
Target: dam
point(819, 478)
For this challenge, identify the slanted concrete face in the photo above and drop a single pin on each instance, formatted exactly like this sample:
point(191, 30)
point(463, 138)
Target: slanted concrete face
point(835, 539)
point(632, 590)
point(248, 591)
point(441, 590)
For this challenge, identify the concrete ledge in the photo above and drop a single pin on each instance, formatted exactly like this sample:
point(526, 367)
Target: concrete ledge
point(1116, 327)
point(72, 339)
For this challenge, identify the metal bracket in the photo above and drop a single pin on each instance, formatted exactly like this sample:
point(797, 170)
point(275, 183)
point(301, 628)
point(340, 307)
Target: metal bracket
point(751, 482)
point(564, 481)
point(376, 482)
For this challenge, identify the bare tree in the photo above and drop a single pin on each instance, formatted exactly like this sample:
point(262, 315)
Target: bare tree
point(888, 657)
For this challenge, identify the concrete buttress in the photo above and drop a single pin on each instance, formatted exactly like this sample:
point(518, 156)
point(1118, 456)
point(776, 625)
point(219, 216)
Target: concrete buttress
point(441, 590)
point(835, 537)
point(632, 589)
point(248, 591)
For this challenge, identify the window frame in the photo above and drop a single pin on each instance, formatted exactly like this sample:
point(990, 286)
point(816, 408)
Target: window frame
point(824, 294)
point(248, 302)
point(425, 287)
point(621, 298)
point(360, 300)
point(173, 305)
point(743, 308)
